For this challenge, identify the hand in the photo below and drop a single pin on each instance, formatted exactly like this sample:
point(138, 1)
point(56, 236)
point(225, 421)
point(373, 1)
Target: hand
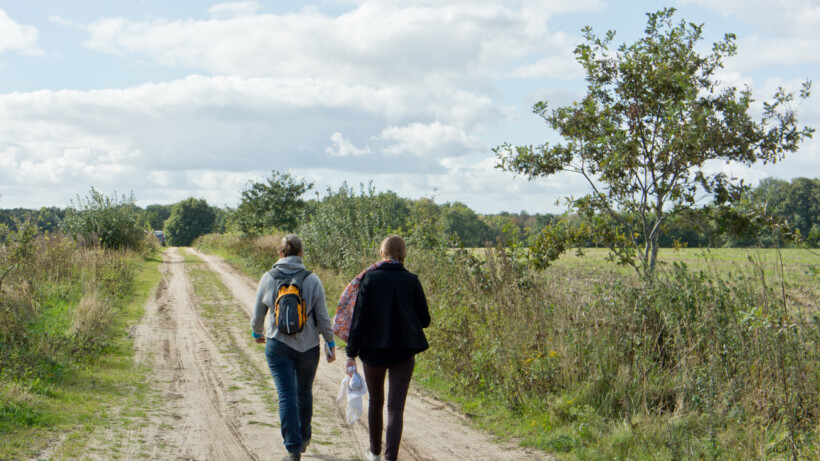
point(261, 340)
point(350, 366)
point(332, 357)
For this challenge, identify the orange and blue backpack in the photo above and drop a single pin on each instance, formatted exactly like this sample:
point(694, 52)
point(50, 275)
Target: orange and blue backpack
point(289, 309)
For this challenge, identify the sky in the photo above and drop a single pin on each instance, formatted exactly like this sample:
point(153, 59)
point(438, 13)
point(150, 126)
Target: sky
point(170, 100)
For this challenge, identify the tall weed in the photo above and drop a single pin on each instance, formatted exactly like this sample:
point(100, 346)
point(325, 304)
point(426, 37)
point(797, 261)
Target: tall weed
point(616, 350)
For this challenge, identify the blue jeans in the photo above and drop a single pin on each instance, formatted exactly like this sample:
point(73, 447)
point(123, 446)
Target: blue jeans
point(293, 373)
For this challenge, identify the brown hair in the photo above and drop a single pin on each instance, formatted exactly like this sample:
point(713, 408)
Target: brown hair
point(291, 245)
point(393, 247)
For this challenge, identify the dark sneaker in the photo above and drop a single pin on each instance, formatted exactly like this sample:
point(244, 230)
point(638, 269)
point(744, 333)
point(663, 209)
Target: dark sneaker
point(293, 457)
point(305, 445)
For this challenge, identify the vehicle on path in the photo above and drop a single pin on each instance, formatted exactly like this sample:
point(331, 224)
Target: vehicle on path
point(160, 236)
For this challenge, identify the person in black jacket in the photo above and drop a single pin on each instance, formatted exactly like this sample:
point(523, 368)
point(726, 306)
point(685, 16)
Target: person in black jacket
point(386, 333)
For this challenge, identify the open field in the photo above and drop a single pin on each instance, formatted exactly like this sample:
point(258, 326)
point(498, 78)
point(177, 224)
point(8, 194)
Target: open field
point(796, 260)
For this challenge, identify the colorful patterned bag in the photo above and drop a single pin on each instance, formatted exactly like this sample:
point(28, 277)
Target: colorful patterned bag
point(344, 311)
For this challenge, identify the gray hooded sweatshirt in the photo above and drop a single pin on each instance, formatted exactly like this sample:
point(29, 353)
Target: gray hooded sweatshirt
point(314, 295)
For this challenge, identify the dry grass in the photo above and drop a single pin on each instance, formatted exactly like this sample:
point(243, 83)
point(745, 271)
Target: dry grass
point(92, 318)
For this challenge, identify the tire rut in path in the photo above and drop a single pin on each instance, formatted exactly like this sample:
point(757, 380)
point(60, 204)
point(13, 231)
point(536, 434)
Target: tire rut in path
point(196, 378)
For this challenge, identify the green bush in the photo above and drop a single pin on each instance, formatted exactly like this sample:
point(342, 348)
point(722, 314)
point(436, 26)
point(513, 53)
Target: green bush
point(343, 230)
point(458, 220)
point(189, 219)
point(110, 222)
point(275, 204)
point(156, 215)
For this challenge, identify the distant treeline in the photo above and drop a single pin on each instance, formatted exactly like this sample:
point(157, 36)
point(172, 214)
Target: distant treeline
point(795, 202)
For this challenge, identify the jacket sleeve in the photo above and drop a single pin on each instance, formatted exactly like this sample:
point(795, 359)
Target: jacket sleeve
point(320, 311)
point(421, 306)
point(260, 308)
point(358, 322)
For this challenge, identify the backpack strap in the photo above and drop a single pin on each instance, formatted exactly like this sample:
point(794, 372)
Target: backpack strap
point(301, 280)
point(280, 277)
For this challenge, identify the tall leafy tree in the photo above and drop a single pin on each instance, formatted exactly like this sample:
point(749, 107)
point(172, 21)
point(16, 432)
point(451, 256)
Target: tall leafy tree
point(189, 219)
point(802, 205)
point(157, 215)
point(654, 115)
point(457, 219)
point(771, 194)
point(275, 203)
point(424, 225)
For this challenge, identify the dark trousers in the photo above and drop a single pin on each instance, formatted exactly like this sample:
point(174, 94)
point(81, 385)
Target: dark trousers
point(293, 372)
point(398, 377)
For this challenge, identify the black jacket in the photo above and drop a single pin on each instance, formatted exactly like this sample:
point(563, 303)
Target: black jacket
point(389, 316)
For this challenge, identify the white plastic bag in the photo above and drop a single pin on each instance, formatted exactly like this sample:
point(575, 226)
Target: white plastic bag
point(354, 388)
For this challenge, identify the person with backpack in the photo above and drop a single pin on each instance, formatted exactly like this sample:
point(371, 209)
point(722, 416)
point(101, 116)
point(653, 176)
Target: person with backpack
point(386, 333)
point(295, 299)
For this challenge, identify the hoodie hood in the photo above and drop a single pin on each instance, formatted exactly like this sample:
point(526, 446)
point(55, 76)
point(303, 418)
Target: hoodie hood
point(289, 264)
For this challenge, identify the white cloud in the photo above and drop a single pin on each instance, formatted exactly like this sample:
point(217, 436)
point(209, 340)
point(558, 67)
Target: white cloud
point(563, 67)
point(757, 52)
point(342, 147)
point(143, 137)
point(220, 187)
point(17, 37)
point(783, 16)
point(422, 43)
point(789, 30)
point(434, 140)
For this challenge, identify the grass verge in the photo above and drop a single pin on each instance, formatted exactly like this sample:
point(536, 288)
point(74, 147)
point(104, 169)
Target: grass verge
point(57, 410)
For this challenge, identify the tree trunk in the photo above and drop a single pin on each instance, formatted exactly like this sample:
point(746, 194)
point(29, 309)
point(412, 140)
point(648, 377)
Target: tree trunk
point(653, 257)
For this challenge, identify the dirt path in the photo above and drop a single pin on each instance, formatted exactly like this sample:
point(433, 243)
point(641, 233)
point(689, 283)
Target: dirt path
point(214, 397)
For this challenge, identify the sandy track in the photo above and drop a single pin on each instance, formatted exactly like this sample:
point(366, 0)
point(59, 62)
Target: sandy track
point(200, 405)
point(213, 397)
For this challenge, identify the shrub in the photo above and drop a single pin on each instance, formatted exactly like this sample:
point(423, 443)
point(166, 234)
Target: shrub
point(156, 215)
point(189, 219)
point(343, 230)
point(17, 309)
point(16, 247)
point(275, 204)
point(458, 220)
point(110, 222)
